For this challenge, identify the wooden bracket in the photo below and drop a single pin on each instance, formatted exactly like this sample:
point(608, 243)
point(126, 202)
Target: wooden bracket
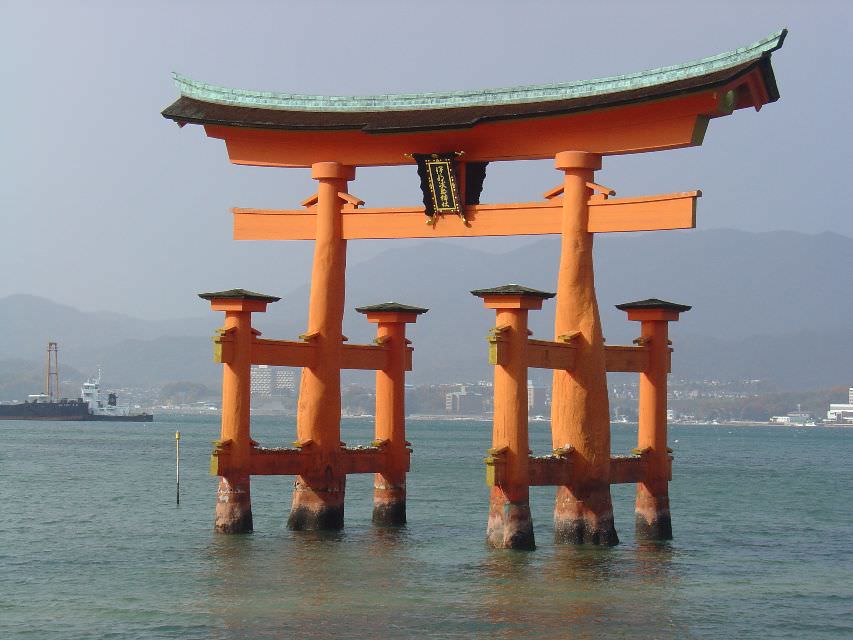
point(601, 189)
point(310, 201)
point(309, 336)
point(569, 337)
point(350, 199)
point(553, 193)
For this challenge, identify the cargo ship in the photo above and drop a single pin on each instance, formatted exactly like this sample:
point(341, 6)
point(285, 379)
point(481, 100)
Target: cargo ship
point(88, 407)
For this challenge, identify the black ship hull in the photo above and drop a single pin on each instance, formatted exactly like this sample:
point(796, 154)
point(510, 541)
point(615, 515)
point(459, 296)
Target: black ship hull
point(64, 411)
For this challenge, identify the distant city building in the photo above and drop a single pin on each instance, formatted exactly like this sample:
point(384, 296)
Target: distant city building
point(841, 413)
point(269, 381)
point(796, 418)
point(463, 403)
point(536, 399)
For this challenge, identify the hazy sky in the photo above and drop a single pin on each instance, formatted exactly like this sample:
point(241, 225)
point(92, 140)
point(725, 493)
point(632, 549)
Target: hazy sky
point(106, 205)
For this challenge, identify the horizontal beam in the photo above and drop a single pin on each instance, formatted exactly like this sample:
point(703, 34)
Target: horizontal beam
point(626, 359)
point(651, 213)
point(627, 469)
point(283, 353)
point(555, 471)
point(364, 357)
point(662, 124)
point(551, 355)
point(296, 461)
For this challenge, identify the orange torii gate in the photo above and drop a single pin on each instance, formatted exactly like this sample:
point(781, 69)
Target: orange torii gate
point(577, 124)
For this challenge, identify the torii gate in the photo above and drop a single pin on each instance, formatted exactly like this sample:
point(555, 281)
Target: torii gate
point(576, 124)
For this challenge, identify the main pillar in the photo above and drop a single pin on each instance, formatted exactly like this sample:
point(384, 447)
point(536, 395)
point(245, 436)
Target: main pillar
point(580, 413)
point(510, 525)
point(653, 520)
point(389, 488)
point(318, 497)
point(233, 497)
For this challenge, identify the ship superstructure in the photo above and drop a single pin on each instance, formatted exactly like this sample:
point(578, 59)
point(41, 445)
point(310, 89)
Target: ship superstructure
point(88, 407)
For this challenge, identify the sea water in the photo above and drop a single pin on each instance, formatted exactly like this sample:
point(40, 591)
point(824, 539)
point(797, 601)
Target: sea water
point(92, 544)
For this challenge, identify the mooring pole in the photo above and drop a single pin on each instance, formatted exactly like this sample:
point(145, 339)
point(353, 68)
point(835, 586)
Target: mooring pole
point(177, 467)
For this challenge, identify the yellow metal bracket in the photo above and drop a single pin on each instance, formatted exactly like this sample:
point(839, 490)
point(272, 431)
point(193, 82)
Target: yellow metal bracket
point(569, 337)
point(223, 345)
point(495, 339)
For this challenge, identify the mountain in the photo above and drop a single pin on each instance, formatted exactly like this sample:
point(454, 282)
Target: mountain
point(773, 305)
point(778, 299)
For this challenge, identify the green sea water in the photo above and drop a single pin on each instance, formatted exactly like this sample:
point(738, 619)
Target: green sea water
point(92, 544)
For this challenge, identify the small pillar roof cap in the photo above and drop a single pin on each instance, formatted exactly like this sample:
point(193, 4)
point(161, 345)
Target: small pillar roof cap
point(513, 290)
point(654, 303)
point(238, 294)
point(391, 307)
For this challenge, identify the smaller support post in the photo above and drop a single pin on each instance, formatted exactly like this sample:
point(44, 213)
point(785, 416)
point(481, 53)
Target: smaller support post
point(389, 488)
point(653, 520)
point(510, 524)
point(233, 497)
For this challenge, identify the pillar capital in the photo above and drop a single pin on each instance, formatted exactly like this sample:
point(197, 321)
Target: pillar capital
point(653, 309)
point(332, 171)
point(391, 313)
point(566, 160)
point(238, 300)
point(512, 296)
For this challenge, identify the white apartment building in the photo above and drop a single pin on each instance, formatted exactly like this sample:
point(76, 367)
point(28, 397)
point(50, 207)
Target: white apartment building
point(270, 381)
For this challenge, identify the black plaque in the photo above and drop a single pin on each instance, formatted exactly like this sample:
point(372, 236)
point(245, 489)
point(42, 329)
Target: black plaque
point(439, 183)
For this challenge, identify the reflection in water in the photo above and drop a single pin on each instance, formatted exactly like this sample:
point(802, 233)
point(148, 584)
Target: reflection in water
point(311, 584)
point(571, 591)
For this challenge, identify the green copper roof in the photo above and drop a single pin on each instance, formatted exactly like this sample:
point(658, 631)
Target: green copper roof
point(488, 97)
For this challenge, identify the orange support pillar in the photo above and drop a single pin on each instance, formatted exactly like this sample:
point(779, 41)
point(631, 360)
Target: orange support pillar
point(510, 525)
point(233, 497)
point(580, 413)
point(318, 495)
point(653, 520)
point(389, 488)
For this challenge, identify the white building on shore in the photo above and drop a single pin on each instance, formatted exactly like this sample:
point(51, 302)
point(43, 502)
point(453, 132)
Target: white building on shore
point(841, 413)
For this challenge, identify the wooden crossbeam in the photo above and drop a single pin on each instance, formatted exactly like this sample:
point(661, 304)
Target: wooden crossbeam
point(543, 354)
point(626, 359)
point(283, 353)
point(294, 461)
point(551, 355)
point(365, 357)
point(550, 471)
point(649, 213)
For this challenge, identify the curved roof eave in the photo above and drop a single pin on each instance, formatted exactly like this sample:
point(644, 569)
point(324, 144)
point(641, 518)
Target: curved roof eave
point(264, 100)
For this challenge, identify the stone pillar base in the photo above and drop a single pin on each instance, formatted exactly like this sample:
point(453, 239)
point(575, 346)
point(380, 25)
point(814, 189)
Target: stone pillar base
point(584, 517)
point(510, 523)
point(318, 504)
point(389, 503)
point(653, 520)
point(233, 506)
